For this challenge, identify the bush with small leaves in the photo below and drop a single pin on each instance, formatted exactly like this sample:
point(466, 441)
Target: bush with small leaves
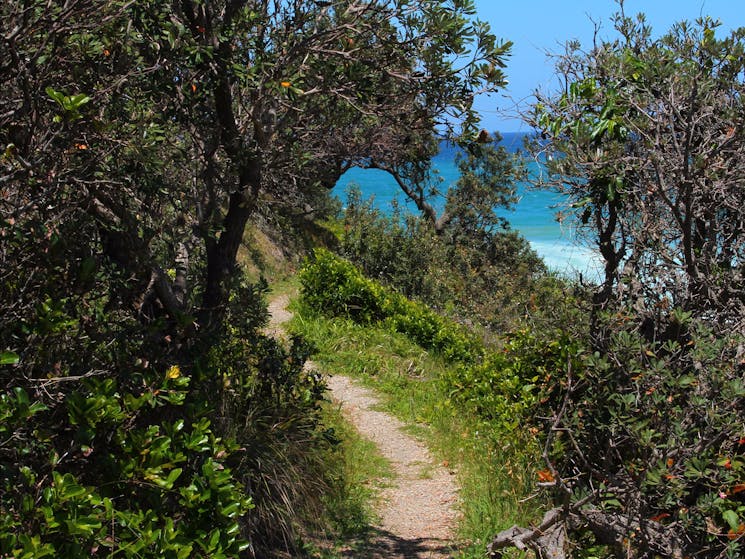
point(334, 286)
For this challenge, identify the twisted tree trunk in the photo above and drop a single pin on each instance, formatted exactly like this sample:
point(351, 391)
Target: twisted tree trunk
point(627, 537)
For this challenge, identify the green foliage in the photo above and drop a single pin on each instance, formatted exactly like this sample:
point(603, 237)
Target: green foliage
point(9, 358)
point(337, 287)
point(432, 331)
point(649, 426)
point(663, 425)
point(486, 186)
point(473, 271)
point(131, 473)
point(334, 286)
point(395, 250)
point(70, 104)
point(666, 215)
point(509, 387)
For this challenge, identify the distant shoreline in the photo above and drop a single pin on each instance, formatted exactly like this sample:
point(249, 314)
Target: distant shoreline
point(533, 217)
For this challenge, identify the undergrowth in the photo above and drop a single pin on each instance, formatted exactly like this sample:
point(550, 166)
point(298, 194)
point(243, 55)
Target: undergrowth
point(355, 473)
point(495, 472)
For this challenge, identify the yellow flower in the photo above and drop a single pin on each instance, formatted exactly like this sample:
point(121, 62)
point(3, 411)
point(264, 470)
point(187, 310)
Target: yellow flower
point(285, 84)
point(173, 372)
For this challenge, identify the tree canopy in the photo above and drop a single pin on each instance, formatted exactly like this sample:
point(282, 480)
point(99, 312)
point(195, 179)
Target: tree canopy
point(644, 447)
point(138, 139)
point(191, 115)
point(650, 133)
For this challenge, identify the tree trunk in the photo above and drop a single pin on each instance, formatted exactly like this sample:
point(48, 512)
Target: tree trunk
point(221, 254)
point(625, 536)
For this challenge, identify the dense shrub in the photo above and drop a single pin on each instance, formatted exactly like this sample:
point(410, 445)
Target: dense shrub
point(334, 286)
point(510, 387)
point(262, 398)
point(644, 440)
point(121, 446)
point(656, 431)
point(115, 466)
point(396, 250)
point(489, 277)
point(432, 331)
point(644, 448)
point(104, 447)
point(269, 405)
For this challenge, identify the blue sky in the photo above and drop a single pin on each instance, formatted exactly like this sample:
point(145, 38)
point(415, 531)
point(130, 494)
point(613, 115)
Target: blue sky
point(537, 26)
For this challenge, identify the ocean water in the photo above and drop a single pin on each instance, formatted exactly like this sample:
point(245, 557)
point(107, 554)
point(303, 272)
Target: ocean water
point(534, 216)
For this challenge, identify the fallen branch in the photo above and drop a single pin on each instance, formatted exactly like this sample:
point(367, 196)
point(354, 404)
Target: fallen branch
point(549, 540)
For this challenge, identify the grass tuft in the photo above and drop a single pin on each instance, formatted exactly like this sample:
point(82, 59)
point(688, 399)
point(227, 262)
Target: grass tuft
point(495, 472)
point(355, 473)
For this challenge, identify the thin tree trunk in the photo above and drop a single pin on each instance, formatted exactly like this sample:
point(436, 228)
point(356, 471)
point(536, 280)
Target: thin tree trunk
point(222, 254)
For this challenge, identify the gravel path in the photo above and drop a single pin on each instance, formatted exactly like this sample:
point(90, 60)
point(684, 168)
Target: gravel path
point(418, 510)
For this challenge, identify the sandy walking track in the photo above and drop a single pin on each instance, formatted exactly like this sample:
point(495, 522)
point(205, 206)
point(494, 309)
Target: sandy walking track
point(418, 511)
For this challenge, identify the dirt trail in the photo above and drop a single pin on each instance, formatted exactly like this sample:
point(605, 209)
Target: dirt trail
point(418, 511)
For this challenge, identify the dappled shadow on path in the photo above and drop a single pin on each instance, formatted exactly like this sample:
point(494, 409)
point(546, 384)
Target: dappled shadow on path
point(386, 545)
point(421, 503)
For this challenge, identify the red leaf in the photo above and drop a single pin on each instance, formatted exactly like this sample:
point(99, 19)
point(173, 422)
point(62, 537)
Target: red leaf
point(545, 476)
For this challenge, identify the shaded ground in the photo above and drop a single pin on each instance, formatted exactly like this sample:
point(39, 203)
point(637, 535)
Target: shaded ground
point(418, 510)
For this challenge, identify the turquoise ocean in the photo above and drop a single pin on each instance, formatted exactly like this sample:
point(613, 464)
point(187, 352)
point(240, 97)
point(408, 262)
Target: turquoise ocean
point(534, 216)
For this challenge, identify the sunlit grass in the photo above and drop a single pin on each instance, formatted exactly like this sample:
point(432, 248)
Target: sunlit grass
point(356, 472)
point(495, 471)
point(286, 285)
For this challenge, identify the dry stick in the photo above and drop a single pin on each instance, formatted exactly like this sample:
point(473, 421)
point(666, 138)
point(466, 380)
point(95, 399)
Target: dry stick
point(548, 540)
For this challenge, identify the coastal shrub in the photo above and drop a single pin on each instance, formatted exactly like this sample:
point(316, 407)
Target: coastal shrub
point(114, 439)
point(471, 275)
point(513, 386)
point(645, 443)
point(432, 331)
point(396, 250)
point(105, 447)
point(334, 286)
point(113, 467)
point(270, 406)
point(654, 432)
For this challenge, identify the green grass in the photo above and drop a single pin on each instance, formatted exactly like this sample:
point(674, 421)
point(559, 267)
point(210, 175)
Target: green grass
point(356, 472)
point(495, 472)
point(285, 285)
